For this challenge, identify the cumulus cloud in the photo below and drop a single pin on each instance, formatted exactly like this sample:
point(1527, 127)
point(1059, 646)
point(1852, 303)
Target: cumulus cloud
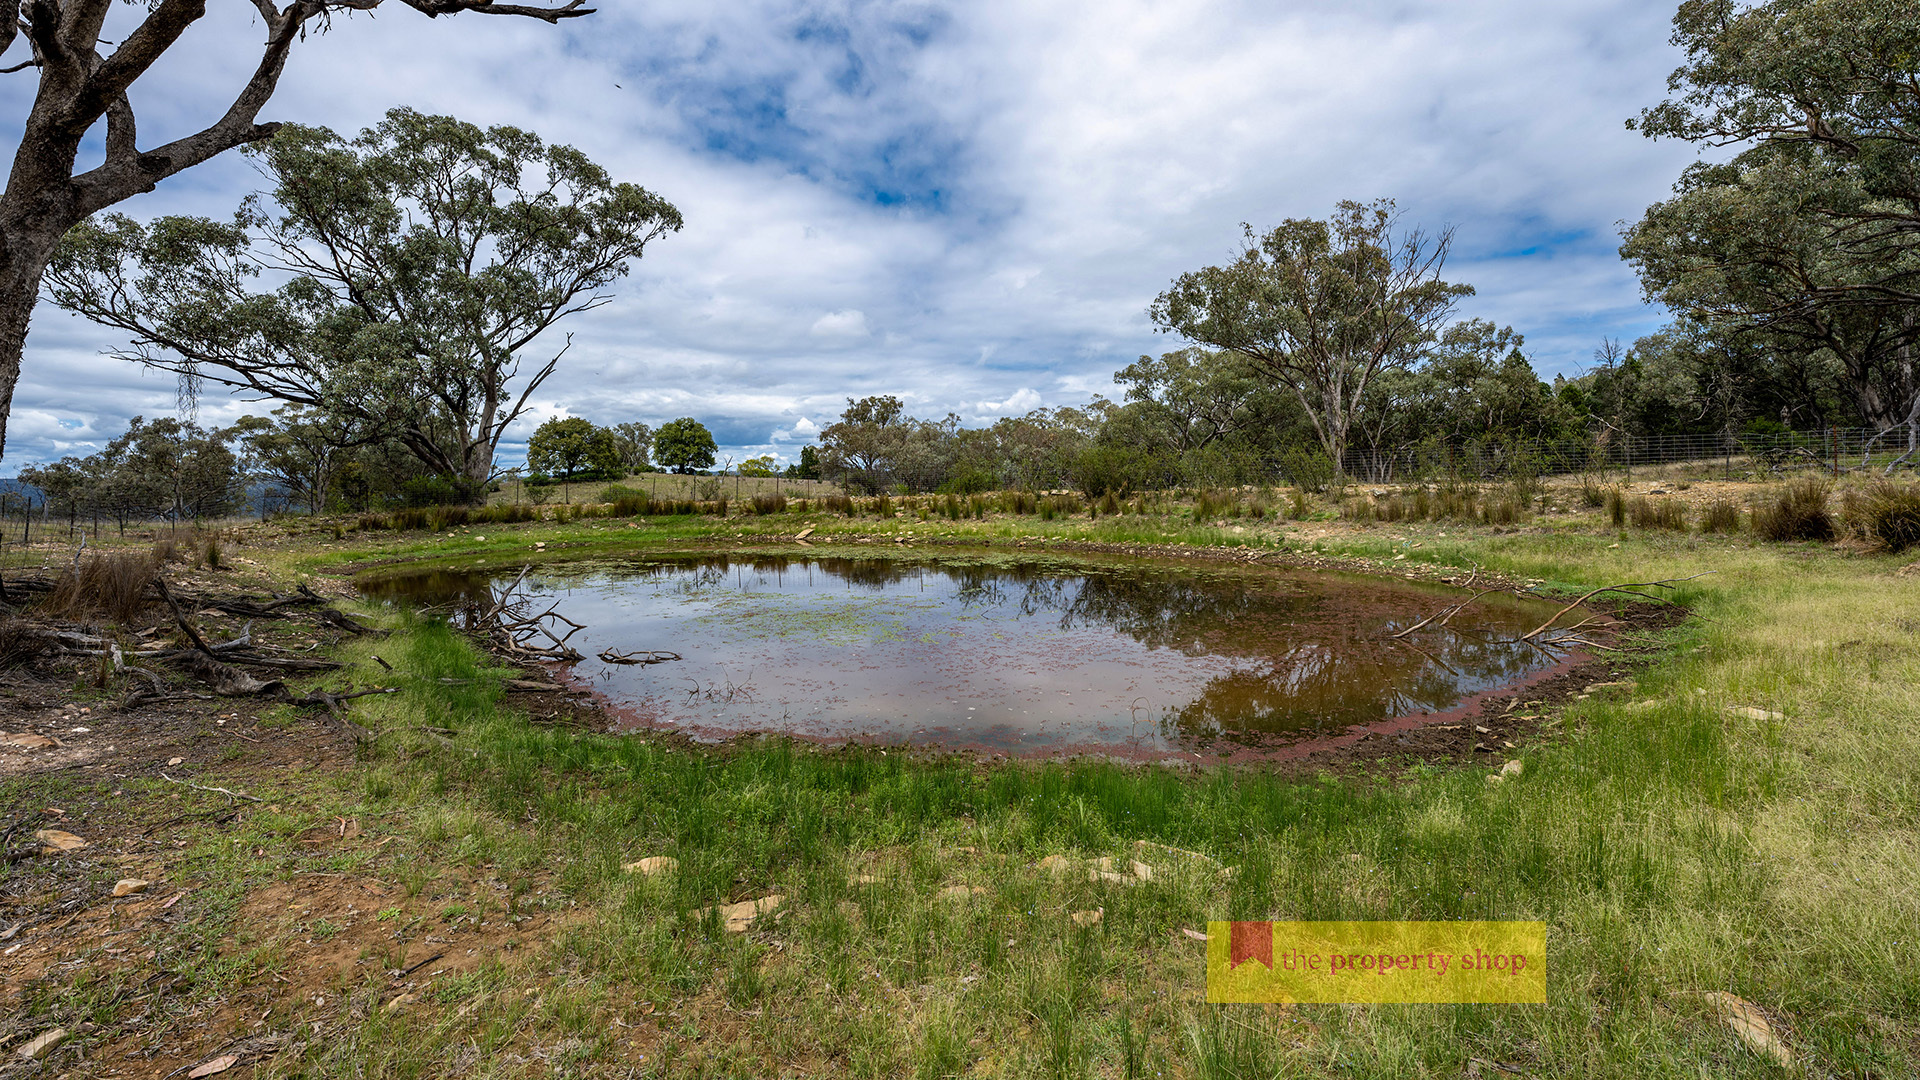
point(846, 325)
point(1023, 400)
point(957, 203)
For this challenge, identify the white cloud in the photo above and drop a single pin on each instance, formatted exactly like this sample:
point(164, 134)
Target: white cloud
point(1023, 400)
point(956, 203)
point(845, 325)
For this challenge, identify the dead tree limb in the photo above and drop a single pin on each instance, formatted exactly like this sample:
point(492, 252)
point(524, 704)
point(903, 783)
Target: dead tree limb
point(1664, 583)
point(160, 586)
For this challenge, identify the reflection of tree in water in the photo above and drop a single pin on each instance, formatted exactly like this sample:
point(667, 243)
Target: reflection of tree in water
point(1331, 684)
point(1164, 611)
point(1313, 653)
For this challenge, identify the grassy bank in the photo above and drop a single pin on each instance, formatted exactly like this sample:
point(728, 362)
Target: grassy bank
point(1673, 846)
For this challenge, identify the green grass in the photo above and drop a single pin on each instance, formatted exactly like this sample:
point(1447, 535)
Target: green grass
point(1672, 846)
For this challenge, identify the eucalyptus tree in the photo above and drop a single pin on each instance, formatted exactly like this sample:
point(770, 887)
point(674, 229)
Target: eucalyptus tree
point(1808, 239)
point(81, 90)
point(424, 261)
point(1321, 307)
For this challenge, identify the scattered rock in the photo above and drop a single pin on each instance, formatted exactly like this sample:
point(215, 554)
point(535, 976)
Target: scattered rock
point(1511, 768)
point(857, 880)
point(654, 866)
point(1621, 684)
point(1194, 934)
point(58, 841)
point(29, 741)
point(804, 533)
point(1057, 865)
point(1483, 729)
point(399, 1002)
point(129, 886)
point(738, 917)
point(1084, 919)
point(1749, 1023)
point(41, 1045)
point(1752, 713)
point(175, 761)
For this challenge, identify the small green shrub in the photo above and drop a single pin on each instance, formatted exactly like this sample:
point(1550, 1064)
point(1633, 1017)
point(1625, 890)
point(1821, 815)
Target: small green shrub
point(1592, 495)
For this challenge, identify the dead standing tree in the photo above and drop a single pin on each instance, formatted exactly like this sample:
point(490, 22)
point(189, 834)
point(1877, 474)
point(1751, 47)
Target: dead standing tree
point(79, 88)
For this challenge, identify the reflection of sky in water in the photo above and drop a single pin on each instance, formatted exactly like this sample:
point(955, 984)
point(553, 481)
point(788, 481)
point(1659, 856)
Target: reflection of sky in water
point(1022, 657)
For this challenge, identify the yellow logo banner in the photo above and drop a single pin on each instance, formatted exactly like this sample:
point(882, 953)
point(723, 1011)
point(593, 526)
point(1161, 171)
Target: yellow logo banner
point(1361, 962)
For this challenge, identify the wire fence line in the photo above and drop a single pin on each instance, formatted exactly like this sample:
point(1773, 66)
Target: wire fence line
point(1835, 450)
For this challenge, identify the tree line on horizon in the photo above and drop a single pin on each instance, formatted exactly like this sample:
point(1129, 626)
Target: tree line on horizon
point(391, 292)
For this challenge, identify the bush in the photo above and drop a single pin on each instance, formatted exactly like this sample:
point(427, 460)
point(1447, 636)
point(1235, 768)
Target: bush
point(1795, 512)
point(1309, 469)
point(1887, 516)
point(769, 504)
point(967, 480)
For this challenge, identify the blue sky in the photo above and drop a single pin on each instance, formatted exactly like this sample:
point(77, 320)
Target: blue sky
point(967, 205)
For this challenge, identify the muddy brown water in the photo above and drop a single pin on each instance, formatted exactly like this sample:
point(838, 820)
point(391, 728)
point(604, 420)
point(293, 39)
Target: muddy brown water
point(1136, 658)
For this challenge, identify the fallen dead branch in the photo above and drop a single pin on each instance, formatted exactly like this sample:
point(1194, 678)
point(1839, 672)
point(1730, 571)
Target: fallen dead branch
point(1664, 583)
point(510, 624)
point(639, 657)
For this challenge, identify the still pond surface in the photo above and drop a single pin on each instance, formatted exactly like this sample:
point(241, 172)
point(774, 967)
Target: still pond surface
point(1021, 656)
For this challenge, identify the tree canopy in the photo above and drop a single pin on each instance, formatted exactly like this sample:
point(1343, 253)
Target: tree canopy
point(1321, 307)
point(80, 90)
point(684, 445)
point(427, 257)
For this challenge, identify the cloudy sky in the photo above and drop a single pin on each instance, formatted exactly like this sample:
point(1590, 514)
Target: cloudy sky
point(970, 205)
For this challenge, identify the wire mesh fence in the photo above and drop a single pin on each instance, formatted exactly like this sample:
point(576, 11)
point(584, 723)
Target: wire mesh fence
point(1835, 450)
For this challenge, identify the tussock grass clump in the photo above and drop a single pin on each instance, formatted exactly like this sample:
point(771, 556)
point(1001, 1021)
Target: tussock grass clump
point(1797, 511)
point(504, 514)
point(635, 505)
point(1592, 495)
point(1019, 502)
point(1502, 510)
point(764, 505)
point(1458, 501)
point(1887, 515)
point(1722, 516)
point(1212, 503)
point(1657, 514)
point(117, 584)
point(838, 504)
point(1301, 507)
point(1109, 505)
point(1617, 507)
